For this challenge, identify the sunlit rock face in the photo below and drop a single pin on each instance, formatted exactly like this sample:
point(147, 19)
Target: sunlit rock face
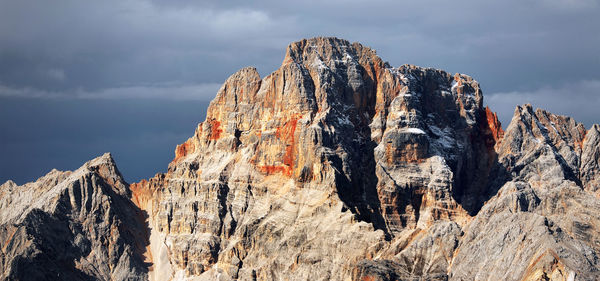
point(543, 223)
point(338, 166)
point(78, 225)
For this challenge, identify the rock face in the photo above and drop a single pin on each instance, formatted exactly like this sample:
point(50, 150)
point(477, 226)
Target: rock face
point(336, 166)
point(77, 225)
point(543, 223)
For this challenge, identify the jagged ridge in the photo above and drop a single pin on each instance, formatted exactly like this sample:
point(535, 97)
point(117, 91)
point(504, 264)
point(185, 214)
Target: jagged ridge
point(77, 225)
point(339, 166)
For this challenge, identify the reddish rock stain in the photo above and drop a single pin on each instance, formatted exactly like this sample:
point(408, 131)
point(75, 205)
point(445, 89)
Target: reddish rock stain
point(181, 151)
point(493, 124)
point(286, 135)
point(215, 129)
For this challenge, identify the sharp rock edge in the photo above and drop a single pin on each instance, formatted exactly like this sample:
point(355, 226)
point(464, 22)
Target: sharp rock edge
point(336, 166)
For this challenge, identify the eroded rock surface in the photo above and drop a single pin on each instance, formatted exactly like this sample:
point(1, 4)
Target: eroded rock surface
point(331, 159)
point(77, 225)
point(543, 223)
point(338, 166)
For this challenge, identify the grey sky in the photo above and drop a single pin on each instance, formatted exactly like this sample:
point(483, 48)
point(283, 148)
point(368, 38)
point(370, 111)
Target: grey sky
point(541, 52)
point(41, 134)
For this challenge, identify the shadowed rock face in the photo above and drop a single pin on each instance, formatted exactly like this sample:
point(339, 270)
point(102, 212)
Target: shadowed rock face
point(338, 166)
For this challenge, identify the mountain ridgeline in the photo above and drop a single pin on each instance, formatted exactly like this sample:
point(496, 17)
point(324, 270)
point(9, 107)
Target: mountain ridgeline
point(337, 166)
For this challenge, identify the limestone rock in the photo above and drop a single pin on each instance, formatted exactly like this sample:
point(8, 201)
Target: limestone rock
point(77, 225)
point(336, 166)
point(376, 153)
point(590, 160)
point(542, 148)
point(542, 224)
point(520, 236)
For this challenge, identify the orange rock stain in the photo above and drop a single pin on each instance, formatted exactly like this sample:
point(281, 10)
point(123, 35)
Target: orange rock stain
point(493, 124)
point(286, 135)
point(579, 143)
point(272, 169)
point(7, 242)
point(215, 129)
point(183, 149)
point(137, 190)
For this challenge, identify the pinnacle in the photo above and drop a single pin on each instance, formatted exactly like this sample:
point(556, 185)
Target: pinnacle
point(105, 158)
point(8, 183)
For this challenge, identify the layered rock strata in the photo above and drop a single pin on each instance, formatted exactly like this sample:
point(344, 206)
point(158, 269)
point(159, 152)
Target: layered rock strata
point(338, 166)
point(78, 225)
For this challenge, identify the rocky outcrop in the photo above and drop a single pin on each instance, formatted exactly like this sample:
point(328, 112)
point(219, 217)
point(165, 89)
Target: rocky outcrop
point(542, 148)
point(590, 160)
point(77, 225)
point(336, 166)
point(542, 223)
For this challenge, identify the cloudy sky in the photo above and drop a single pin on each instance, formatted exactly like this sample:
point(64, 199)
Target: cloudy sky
point(133, 77)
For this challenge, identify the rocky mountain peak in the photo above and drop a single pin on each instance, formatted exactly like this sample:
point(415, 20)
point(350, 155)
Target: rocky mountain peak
point(537, 140)
point(105, 167)
point(78, 225)
point(392, 148)
point(335, 166)
point(327, 52)
point(104, 159)
point(8, 184)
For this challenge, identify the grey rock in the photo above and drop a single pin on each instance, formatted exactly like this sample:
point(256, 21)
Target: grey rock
point(77, 225)
point(336, 166)
point(590, 160)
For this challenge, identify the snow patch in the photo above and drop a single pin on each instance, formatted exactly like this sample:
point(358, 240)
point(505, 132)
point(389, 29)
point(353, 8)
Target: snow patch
point(453, 85)
point(414, 131)
point(344, 120)
point(319, 64)
point(396, 72)
point(445, 139)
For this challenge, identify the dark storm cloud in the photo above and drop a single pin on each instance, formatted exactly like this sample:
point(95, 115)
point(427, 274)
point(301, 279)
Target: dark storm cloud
point(81, 53)
point(81, 46)
point(87, 46)
point(579, 100)
point(41, 134)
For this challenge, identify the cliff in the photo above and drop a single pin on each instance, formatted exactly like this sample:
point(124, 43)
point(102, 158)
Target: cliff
point(78, 225)
point(338, 166)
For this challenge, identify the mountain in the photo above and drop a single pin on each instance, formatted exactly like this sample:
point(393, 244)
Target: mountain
point(77, 225)
point(336, 166)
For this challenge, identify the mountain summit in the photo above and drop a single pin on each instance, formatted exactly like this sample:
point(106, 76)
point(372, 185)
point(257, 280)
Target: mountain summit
point(336, 166)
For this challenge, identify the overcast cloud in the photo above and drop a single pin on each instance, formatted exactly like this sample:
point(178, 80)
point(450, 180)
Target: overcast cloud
point(540, 52)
